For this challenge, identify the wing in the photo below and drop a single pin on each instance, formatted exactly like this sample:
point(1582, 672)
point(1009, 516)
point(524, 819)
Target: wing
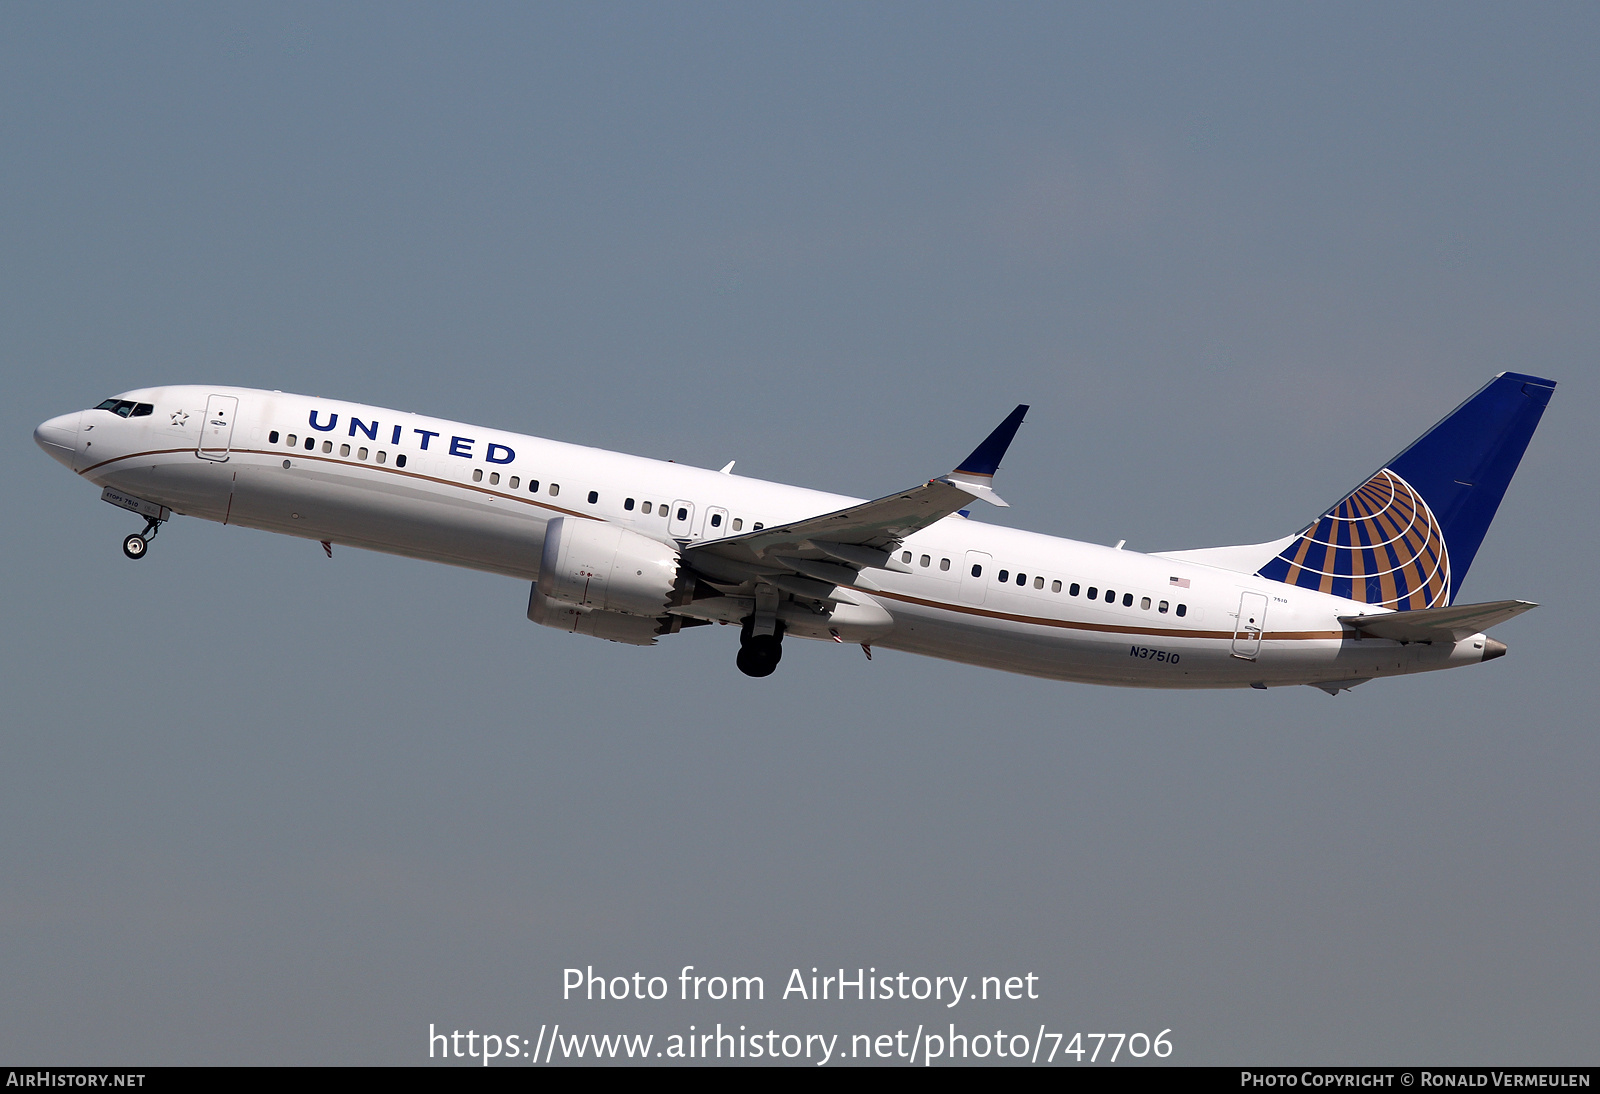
point(811, 556)
point(1437, 624)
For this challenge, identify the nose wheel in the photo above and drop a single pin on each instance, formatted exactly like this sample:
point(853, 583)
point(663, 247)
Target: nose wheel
point(136, 545)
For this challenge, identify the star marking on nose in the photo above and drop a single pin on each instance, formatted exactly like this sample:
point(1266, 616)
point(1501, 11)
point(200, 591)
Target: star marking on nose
point(180, 417)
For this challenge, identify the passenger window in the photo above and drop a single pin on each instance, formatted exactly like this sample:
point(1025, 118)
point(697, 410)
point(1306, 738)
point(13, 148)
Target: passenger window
point(1005, 575)
point(1162, 607)
point(344, 450)
point(477, 474)
point(594, 496)
point(327, 446)
point(533, 486)
point(272, 438)
point(758, 527)
point(1038, 583)
point(311, 442)
point(1073, 590)
point(1055, 586)
point(716, 520)
point(1111, 596)
point(494, 478)
point(555, 490)
point(977, 571)
point(1022, 579)
point(1183, 609)
point(292, 440)
point(925, 560)
point(1127, 600)
point(905, 556)
point(738, 523)
point(516, 481)
point(361, 453)
point(645, 509)
point(1145, 603)
point(683, 514)
point(628, 504)
point(944, 564)
point(1094, 593)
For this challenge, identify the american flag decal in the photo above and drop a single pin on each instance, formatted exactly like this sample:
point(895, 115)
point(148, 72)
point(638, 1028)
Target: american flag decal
point(1381, 545)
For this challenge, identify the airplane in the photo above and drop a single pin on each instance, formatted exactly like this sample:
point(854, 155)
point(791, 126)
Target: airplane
point(629, 549)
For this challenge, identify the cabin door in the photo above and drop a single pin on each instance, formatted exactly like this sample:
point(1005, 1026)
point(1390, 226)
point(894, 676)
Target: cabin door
point(216, 431)
point(1248, 627)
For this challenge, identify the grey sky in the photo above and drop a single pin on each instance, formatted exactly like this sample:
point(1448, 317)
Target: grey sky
point(264, 807)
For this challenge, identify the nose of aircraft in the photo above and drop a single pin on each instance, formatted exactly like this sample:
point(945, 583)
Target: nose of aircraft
point(58, 437)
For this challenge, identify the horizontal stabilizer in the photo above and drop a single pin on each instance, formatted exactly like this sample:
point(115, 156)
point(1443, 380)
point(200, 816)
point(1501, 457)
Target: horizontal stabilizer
point(1436, 624)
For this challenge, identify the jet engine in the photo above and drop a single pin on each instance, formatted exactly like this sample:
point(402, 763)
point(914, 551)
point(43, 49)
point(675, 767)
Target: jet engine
point(596, 566)
point(634, 630)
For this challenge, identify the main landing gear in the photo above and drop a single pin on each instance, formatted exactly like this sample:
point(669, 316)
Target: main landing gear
point(136, 545)
point(759, 654)
point(761, 636)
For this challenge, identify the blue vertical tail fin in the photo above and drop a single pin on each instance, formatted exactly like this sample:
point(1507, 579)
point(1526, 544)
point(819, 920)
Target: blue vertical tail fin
point(1406, 537)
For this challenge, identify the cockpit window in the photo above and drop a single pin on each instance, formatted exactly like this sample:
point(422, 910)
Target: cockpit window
point(127, 408)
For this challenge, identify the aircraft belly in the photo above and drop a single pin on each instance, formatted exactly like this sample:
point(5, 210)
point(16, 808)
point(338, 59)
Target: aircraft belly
point(186, 484)
point(1119, 659)
point(415, 518)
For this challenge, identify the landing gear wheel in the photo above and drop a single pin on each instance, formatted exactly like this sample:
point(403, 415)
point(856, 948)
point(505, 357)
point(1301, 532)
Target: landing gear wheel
point(135, 546)
point(760, 655)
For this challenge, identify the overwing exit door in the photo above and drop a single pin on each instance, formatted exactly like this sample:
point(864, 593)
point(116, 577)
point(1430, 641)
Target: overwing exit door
point(216, 430)
point(680, 522)
point(1248, 627)
point(974, 576)
point(716, 524)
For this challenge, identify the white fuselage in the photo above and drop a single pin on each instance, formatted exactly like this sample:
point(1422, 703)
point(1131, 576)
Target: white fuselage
point(450, 492)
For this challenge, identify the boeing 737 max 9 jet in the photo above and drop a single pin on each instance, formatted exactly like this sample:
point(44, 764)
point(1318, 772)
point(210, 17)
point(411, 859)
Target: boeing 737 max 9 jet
point(630, 549)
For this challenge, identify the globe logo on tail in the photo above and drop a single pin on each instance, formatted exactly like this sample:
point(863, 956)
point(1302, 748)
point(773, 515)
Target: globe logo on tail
point(1381, 545)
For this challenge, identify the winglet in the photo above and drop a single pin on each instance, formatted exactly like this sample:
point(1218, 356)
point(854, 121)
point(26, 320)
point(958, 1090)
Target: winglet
point(975, 472)
point(985, 459)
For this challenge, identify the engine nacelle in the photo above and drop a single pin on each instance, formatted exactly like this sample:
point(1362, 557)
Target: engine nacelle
point(635, 630)
point(604, 567)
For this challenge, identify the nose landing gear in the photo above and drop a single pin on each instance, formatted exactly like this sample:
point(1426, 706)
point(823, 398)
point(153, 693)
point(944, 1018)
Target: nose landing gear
point(136, 545)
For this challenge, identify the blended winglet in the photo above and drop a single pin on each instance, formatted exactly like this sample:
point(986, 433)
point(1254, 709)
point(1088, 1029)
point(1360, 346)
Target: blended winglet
point(975, 473)
point(985, 459)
